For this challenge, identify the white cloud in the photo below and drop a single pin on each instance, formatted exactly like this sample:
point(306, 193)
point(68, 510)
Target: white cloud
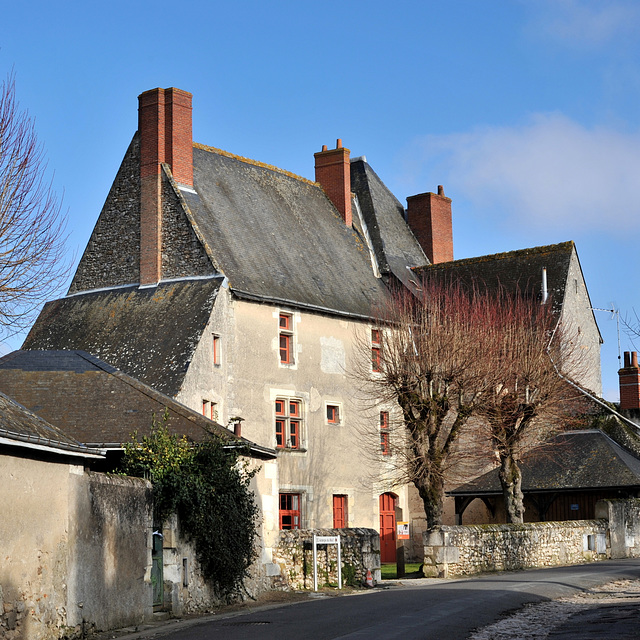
point(585, 22)
point(551, 171)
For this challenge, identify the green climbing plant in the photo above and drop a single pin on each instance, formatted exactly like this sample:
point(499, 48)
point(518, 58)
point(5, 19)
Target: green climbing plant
point(207, 487)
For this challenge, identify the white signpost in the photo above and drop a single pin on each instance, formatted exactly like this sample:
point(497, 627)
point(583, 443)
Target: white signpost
point(325, 540)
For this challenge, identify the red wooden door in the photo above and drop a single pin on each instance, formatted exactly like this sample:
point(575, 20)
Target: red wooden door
point(388, 527)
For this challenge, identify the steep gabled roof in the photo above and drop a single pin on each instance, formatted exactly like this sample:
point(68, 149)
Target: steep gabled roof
point(96, 403)
point(520, 269)
point(277, 237)
point(574, 460)
point(395, 246)
point(150, 333)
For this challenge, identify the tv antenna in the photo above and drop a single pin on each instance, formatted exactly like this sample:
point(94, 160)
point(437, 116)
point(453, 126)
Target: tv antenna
point(614, 312)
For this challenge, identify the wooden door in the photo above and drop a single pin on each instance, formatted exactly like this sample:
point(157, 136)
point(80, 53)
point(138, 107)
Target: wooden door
point(388, 527)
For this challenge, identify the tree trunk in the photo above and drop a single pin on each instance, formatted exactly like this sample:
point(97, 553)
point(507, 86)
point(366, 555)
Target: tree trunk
point(511, 480)
point(431, 491)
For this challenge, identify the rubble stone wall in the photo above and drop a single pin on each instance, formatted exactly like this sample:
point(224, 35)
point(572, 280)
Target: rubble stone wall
point(469, 549)
point(293, 555)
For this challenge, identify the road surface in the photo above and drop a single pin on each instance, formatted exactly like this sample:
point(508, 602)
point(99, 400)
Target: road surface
point(425, 610)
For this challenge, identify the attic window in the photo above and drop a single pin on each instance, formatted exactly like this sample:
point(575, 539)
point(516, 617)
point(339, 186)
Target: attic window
point(216, 349)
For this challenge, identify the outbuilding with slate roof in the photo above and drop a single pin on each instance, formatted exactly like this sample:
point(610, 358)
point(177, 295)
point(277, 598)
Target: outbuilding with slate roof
point(563, 480)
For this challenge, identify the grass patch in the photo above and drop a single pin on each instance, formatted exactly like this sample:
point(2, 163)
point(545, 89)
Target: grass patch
point(411, 569)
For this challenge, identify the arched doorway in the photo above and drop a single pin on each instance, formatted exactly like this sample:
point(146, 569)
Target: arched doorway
point(388, 527)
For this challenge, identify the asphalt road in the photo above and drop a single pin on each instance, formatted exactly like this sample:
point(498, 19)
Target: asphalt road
point(448, 610)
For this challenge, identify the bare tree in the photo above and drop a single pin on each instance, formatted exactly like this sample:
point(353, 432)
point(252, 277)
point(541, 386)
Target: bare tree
point(448, 354)
point(31, 222)
point(429, 363)
point(529, 401)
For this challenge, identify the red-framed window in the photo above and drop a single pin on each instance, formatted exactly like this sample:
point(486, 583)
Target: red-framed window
point(384, 433)
point(333, 414)
point(286, 338)
point(216, 349)
point(210, 409)
point(288, 423)
point(290, 511)
point(340, 516)
point(376, 350)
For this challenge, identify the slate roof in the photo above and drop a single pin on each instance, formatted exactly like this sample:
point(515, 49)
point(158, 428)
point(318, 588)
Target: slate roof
point(150, 333)
point(393, 242)
point(575, 460)
point(521, 269)
point(277, 237)
point(22, 427)
point(95, 403)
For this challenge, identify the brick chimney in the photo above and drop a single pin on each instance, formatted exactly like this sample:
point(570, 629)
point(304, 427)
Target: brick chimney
point(429, 217)
point(630, 382)
point(164, 126)
point(333, 172)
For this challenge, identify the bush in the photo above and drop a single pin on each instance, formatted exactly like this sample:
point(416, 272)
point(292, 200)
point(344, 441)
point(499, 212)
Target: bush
point(207, 487)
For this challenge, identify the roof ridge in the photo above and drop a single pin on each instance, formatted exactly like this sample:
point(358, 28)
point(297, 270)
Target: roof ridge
point(255, 163)
point(504, 254)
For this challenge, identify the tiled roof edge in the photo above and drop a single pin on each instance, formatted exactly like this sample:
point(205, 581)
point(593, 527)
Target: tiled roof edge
point(255, 163)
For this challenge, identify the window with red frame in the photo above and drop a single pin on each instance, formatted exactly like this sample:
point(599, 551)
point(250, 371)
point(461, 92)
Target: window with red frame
point(286, 338)
point(333, 414)
point(384, 433)
point(210, 409)
point(216, 349)
point(340, 518)
point(376, 349)
point(288, 423)
point(290, 511)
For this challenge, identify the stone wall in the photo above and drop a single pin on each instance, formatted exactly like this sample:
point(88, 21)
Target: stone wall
point(293, 554)
point(74, 548)
point(624, 525)
point(465, 550)
point(112, 256)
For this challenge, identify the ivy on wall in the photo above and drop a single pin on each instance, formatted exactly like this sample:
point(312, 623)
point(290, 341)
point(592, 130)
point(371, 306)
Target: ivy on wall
point(207, 487)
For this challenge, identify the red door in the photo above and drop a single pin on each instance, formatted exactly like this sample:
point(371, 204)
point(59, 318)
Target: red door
point(388, 527)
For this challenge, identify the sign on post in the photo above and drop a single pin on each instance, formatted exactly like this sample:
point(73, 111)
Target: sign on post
point(403, 530)
point(325, 540)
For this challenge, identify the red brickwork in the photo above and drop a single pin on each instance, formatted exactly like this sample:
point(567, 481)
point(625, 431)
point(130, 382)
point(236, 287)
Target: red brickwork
point(164, 126)
point(429, 217)
point(333, 172)
point(630, 382)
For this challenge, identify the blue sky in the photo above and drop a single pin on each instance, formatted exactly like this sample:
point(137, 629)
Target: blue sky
point(526, 111)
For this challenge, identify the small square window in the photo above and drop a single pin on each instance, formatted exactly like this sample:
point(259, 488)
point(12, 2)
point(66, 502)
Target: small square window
point(289, 510)
point(333, 414)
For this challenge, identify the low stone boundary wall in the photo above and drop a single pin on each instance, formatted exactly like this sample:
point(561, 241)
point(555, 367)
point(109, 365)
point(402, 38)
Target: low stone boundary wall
point(468, 549)
point(624, 525)
point(293, 554)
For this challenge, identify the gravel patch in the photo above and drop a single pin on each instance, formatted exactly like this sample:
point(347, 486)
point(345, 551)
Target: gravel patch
point(538, 621)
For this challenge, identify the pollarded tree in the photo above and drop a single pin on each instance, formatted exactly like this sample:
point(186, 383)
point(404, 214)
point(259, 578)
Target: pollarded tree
point(431, 363)
point(530, 400)
point(31, 223)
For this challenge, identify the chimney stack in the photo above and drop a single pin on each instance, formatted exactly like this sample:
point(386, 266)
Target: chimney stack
point(164, 127)
point(333, 173)
point(429, 217)
point(630, 382)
